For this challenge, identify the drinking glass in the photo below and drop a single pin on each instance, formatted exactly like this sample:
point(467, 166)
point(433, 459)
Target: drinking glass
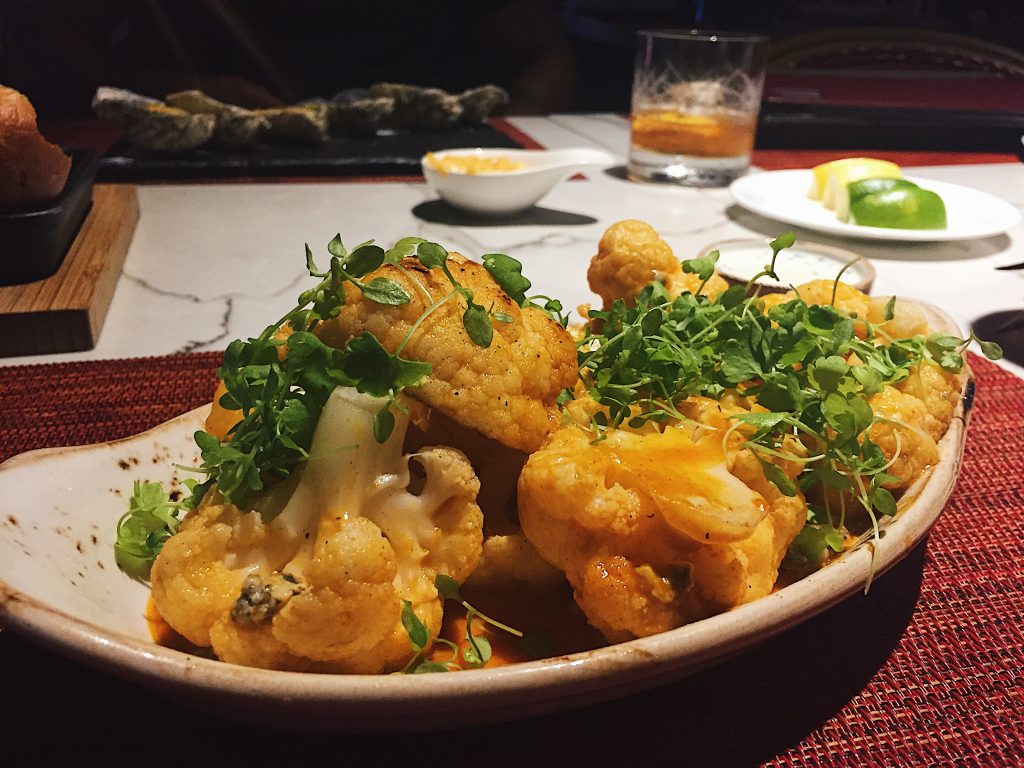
point(696, 97)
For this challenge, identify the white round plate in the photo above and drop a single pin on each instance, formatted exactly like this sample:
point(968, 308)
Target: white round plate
point(782, 195)
point(59, 586)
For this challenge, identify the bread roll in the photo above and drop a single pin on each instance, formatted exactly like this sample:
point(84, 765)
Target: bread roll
point(32, 170)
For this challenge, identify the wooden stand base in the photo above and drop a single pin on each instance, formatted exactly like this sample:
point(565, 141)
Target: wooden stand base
point(64, 312)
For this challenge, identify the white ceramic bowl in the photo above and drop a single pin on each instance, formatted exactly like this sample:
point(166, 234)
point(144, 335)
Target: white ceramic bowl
point(739, 260)
point(506, 193)
point(59, 586)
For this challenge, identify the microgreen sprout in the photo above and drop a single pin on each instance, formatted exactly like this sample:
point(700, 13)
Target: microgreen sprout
point(151, 519)
point(839, 276)
point(281, 379)
point(473, 655)
point(641, 362)
point(780, 243)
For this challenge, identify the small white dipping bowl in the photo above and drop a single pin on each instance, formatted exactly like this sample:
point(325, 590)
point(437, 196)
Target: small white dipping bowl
point(505, 193)
point(740, 260)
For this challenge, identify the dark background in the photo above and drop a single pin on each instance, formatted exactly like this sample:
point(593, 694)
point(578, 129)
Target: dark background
point(553, 55)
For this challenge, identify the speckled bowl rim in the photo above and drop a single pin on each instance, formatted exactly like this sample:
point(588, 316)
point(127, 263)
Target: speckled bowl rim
point(399, 703)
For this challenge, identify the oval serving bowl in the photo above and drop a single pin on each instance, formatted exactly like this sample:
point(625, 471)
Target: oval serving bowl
point(60, 587)
point(506, 193)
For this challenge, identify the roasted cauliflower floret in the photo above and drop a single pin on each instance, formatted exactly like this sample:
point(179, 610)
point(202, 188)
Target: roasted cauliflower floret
point(848, 299)
point(507, 556)
point(316, 578)
point(899, 431)
point(906, 321)
point(939, 390)
point(197, 578)
point(652, 530)
point(507, 390)
point(631, 255)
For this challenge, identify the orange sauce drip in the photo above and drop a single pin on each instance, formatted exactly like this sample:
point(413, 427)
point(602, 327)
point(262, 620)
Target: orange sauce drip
point(549, 617)
point(724, 133)
point(220, 420)
point(551, 621)
point(162, 633)
point(702, 502)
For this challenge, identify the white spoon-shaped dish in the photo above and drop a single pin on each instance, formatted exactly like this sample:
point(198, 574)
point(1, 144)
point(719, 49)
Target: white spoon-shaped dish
point(506, 193)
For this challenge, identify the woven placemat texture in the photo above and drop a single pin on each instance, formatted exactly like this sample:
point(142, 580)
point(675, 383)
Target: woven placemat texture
point(924, 670)
point(953, 690)
point(44, 406)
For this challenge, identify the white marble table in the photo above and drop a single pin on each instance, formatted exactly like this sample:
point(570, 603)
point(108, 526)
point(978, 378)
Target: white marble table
point(213, 262)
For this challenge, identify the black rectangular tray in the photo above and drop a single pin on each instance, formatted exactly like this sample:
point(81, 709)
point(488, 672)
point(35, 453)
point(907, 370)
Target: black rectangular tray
point(821, 126)
point(34, 241)
point(397, 153)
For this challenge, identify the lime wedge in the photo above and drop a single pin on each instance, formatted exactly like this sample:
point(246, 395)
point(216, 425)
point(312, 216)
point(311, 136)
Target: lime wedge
point(861, 189)
point(900, 209)
point(855, 170)
point(850, 169)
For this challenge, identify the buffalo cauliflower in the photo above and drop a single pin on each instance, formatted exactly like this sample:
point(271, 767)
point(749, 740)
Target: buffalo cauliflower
point(630, 256)
point(507, 390)
point(314, 576)
point(507, 557)
point(655, 530)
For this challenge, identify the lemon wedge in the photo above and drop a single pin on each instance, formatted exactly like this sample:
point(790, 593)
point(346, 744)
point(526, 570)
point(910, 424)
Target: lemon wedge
point(827, 178)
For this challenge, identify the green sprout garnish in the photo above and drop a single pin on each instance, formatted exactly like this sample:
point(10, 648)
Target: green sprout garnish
point(281, 396)
point(475, 654)
point(646, 359)
point(151, 519)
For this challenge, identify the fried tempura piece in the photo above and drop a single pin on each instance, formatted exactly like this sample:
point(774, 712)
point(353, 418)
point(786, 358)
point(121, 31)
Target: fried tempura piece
point(506, 391)
point(630, 256)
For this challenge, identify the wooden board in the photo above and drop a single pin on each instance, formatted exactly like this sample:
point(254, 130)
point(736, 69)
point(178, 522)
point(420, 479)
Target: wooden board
point(65, 312)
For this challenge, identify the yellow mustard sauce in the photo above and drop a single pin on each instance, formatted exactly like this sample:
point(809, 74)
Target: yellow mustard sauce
point(473, 164)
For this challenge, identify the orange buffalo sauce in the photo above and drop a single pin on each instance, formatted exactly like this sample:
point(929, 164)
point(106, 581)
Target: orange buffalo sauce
point(707, 501)
point(221, 420)
point(551, 622)
point(162, 632)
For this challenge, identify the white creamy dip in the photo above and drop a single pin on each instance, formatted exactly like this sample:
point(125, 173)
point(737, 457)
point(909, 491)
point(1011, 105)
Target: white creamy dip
point(742, 259)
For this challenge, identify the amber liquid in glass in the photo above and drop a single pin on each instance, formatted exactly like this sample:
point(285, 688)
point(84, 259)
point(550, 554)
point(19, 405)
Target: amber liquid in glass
point(724, 133)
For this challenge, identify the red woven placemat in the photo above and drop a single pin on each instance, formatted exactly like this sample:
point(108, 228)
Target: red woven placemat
point(43, 406)
point(924, 670)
